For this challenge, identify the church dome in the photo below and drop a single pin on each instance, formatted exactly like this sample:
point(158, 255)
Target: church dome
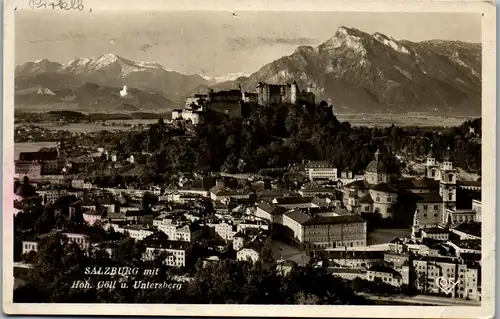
point(377, 165)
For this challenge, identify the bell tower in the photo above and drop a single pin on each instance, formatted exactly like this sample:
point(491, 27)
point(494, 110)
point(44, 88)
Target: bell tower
point(431, 168)
point(448, 183)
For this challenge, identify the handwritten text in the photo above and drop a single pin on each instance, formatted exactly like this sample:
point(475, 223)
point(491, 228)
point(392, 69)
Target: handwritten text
point(57, 4)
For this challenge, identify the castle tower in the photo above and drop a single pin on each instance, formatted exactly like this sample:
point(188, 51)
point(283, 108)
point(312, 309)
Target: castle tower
point(431, 168)
point(448, 184)
point(210, 95)
point(260, 94)
point(293, 93)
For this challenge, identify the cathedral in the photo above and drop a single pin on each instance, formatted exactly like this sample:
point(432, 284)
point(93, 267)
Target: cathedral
point(432, 199)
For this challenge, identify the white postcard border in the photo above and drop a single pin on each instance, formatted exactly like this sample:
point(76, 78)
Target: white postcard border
point(487, 10)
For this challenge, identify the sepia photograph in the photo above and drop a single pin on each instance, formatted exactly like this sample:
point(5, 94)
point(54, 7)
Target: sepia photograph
point(249, 157)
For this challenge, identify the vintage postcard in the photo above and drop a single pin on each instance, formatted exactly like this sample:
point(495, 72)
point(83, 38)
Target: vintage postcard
point(249, 158)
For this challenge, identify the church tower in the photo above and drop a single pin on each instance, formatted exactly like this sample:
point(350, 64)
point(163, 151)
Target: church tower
point(431, 168)
point(448, 184)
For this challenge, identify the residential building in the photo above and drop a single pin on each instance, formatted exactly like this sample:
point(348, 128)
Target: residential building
point(428, 212)
point(354, 259)
point(428, 269)
point(435, 233)
point(176, 253)
point(38, 163)
point(225, 195)
point(92, 217)
point(386, 274)
point(83, 240)
point(347, 273)
point(249, 252)
point(50, 195)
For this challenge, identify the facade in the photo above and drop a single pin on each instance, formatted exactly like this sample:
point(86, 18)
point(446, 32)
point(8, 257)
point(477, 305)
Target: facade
point(269, 212)
point(320, 170)
point(476, 207)
point(29, 245)
point(318, 232)
point(222, 195)
point(269, 94)
point(49, 196)
point(92, 217)
point(429, 268)
point(176, 253)
point(38, 163)
point(448, 183)
point(354, 259)
point(428, 212)
point(248, 253)
point(347, 273)
point(223, 231)
point(435, 233)
point(294, 202)
point(194, 116)
point(386, 274)
point(82, 240)
point(384, 199)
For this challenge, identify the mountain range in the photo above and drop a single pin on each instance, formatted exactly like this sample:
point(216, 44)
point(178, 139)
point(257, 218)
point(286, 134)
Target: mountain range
point(358, 72)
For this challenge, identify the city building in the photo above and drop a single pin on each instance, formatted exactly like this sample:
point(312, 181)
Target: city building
point(319, 232)
point(435, 233)
point(428, 269)
point(83, 240)
point(385, 274)
point(320, 170)
point(249, 252)
point(175, 253)
point(347, 273)
point(35, 164)
point(92, 217)
point(294, 202)
point(353, 258)
point(270, 212)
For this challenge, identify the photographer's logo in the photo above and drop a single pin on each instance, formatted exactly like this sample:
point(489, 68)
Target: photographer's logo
point(446, 284)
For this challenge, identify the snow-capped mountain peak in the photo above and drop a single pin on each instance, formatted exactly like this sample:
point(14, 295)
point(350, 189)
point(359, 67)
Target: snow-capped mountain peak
point(225, 78)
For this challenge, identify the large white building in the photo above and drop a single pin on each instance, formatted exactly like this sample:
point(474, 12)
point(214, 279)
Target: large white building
point(320, 232)
point(175, 253)
point(321, 170)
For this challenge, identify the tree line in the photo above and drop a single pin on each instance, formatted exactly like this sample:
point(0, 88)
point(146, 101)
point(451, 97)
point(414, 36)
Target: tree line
point(272, 137)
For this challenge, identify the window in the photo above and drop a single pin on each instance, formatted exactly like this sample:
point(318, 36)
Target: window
point(389, 199)
point(435, 215)
point(436, 207)
point(425, 207)
point(367, 208)
point(450, 196)
point(433, 173)
point(450, 177)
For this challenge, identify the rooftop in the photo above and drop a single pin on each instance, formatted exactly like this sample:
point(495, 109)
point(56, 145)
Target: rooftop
point(429, 198)
point(38, 156)
point(435, 230)
point(383, 187)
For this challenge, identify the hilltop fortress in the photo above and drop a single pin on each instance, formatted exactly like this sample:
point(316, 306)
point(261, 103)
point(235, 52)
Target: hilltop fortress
point(264, 95)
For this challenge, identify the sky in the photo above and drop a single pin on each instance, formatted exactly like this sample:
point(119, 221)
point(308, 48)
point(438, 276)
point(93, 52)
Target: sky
point(215, 43)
